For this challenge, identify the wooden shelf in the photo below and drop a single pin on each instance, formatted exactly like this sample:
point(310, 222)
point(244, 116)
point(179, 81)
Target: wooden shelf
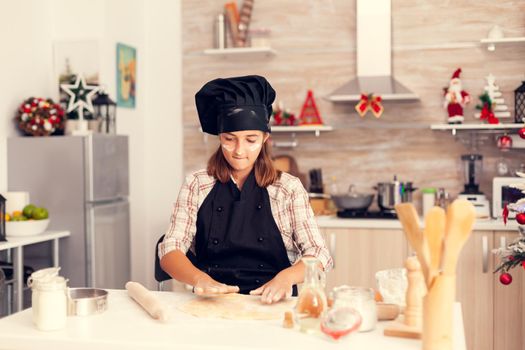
point(241, 51)
point(305, 128)
point(492, 43)
point(475, 127)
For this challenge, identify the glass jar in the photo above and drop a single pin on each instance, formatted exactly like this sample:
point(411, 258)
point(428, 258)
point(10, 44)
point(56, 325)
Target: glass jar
point(362, 300)
point(259, 37)
point(429, 199)
point(342, 319)
point(48, 299)
point(311, 302)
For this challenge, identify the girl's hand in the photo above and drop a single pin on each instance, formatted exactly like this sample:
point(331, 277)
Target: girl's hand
point(279, 288)
point(206, 285)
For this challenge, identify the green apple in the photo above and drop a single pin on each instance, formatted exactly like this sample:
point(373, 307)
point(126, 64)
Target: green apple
point(40, 213)
point(28, 210)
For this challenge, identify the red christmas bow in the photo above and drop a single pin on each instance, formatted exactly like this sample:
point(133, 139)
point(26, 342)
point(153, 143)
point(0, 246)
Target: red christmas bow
point(369, 102)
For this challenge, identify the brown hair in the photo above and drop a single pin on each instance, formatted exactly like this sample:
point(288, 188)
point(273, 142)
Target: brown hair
point(265, 172)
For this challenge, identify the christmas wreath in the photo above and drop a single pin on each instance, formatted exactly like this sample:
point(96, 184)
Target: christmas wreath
point(40, 117)
point(513, 254)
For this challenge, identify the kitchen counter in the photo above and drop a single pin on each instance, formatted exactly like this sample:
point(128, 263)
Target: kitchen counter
point(325, 221)
point(125, 325)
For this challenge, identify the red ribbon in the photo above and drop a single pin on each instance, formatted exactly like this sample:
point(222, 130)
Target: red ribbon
point(505, 214)
point(371, 102)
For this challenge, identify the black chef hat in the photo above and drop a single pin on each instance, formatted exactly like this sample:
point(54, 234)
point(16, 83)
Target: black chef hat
point(235, 104)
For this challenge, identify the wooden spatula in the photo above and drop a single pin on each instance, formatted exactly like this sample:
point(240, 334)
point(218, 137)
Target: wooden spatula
point(434, 233)
point(407, 214)
point(460, 219)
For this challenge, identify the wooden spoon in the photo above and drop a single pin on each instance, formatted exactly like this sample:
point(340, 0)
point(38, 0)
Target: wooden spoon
point(434, 233)
point(407, 214)
point(460, 219)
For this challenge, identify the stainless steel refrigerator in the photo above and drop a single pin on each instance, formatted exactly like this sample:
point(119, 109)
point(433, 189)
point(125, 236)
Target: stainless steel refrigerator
point(83, 182)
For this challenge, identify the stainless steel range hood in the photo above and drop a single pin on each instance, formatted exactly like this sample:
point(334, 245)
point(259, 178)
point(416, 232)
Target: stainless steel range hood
point(374, 57)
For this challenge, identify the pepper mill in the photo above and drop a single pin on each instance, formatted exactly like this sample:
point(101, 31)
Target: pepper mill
point(415, 292)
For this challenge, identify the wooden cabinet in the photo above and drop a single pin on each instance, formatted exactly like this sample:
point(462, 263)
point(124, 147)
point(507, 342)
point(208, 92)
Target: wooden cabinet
point(474, 289)
point(359, 253)
point(509, 304)
point(493, 314)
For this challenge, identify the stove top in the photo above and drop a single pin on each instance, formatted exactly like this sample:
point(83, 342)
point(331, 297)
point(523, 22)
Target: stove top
point(352, 214)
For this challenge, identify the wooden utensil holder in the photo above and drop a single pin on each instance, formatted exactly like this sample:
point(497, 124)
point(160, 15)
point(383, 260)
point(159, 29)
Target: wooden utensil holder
point(438, 307)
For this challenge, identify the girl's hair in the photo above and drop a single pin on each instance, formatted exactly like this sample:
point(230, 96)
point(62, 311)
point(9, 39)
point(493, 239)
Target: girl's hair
point(265, 172)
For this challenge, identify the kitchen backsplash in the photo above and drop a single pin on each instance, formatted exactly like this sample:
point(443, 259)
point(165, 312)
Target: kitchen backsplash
point(315, 44)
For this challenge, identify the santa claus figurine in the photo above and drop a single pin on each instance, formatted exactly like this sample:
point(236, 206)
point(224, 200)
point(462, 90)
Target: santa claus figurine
point(455, 99)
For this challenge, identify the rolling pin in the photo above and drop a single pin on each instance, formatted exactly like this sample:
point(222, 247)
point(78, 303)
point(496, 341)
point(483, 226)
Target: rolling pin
point(147, 300)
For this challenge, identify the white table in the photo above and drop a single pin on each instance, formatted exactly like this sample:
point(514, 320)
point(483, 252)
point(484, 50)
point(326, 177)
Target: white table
point(125, 325)
point(16, 245)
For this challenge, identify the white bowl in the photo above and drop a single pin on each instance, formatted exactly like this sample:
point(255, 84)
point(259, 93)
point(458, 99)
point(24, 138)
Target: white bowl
point(26, 228)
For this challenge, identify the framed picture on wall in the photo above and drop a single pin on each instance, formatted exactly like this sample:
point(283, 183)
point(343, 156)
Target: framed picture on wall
point(126, 75)
point(75, 57)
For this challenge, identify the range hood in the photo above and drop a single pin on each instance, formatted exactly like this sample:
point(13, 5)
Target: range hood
point(374, 57)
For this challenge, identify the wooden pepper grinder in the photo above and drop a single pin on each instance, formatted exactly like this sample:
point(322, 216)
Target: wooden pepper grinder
point(415, 292)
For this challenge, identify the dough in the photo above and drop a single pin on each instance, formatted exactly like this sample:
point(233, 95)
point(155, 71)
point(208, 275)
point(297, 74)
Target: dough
point(236, 307)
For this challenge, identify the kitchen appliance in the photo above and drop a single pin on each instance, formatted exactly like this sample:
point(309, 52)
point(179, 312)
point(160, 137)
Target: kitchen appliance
point(472, 171)
point(380, 214)
point(374, 57)
point(391, 193)
point(83, 182)
point(316, 180)
point(503, 193)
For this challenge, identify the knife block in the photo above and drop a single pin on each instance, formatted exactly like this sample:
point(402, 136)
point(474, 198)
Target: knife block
point(438, 309)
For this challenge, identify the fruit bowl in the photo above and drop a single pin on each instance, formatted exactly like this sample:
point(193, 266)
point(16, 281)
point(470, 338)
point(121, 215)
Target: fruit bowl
point(26, 228)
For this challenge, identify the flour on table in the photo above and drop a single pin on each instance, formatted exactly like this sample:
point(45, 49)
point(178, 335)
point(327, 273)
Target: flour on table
point(236, 307)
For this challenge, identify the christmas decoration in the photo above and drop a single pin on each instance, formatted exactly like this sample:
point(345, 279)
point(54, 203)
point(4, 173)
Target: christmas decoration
point(40, 117)
point(309, 112)
point(455, 99)
point(504, 142)
point(486, 107)
point(521, 132)
point(80, 97)
point(519, 104)
point(283, 116)
point(496, 103)
point(505, 278)
point(513, 254)
point(105, 109)
point(369, 102)
point(520, 218)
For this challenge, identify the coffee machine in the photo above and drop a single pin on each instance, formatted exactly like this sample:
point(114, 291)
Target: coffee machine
point(472, 170)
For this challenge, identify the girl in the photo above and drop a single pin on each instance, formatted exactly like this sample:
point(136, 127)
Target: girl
point(240, 225)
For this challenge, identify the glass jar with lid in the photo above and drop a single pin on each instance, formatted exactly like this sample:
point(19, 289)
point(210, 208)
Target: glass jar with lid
point(49, 299)
point(342, 318)
point(362, 300)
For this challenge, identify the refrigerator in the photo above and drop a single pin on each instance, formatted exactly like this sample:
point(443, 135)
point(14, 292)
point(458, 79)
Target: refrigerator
point(84, 183)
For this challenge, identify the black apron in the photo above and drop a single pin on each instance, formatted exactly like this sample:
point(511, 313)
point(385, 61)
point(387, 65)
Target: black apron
point(237, 240)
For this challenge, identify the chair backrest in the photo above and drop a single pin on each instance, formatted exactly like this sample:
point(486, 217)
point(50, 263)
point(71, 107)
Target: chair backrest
point(160, 274)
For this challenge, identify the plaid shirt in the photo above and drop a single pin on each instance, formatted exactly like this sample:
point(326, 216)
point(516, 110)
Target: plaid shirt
point(290, 208)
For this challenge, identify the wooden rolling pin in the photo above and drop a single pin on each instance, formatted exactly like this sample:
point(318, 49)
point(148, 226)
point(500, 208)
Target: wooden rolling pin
point(147, 300)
